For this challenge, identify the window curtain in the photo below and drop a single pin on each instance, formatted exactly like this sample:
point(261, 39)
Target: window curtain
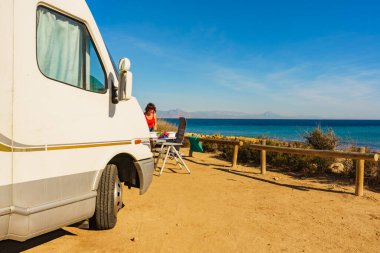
point(59, 47)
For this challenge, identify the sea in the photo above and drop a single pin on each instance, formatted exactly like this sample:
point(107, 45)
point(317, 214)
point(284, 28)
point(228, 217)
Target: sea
point(350, 132)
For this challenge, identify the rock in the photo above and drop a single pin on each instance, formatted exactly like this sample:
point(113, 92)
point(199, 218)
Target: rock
point(275, 178)
point(134, 239)
point(337, 168)
point(331, 186)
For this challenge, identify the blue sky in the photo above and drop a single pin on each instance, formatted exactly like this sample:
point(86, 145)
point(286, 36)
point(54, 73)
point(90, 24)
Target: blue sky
point(295, 58)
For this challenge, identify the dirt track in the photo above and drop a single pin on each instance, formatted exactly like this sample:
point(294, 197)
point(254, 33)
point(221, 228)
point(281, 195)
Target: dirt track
point(214, 210)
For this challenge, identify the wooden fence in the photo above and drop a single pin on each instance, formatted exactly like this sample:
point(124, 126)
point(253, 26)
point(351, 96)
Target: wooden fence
point(235, 143)
point(360, 157)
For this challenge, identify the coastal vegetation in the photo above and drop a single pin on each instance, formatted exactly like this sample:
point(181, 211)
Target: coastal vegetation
point(163, 125)
point(302, 165)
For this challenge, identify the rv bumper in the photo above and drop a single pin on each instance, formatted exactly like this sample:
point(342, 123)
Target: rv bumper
point(145, 169)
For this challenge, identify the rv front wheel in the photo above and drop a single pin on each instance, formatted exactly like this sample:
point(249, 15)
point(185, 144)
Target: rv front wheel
point(108, 201)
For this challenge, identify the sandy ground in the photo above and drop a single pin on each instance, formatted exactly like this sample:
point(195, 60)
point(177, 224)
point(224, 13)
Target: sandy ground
point(217, 210)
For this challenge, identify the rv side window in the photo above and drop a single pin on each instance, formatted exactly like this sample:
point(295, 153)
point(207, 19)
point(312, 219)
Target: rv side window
point(95, 78)
point(66, 52)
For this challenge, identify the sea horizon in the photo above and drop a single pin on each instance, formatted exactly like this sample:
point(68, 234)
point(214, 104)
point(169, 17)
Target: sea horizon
point(358, 132)
point(176, 118)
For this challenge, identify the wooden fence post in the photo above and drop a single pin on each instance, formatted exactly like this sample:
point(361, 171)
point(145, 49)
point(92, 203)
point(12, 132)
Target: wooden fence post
point(263, 159)
point(234, 158)
point(359, 180)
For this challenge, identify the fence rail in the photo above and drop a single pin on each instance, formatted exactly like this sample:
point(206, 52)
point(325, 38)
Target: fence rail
point(360, 157)
point(235, 143)
point(320, 153)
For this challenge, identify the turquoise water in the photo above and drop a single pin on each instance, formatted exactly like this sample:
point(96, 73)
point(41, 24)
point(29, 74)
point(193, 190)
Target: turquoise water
point(358, 132)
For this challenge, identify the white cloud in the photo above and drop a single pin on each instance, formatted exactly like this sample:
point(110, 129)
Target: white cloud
point(285, 73)
point(235, 80)
point(342, 89)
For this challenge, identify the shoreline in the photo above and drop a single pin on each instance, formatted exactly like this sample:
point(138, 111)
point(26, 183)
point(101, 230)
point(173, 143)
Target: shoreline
point(309, 119)
point(350, 132)
point(257, 140)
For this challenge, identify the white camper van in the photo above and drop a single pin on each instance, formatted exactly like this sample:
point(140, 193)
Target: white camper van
point(71, 133)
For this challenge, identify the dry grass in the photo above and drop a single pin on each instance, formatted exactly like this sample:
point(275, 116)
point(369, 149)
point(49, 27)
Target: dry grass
point(164, 126)
point(303, 165)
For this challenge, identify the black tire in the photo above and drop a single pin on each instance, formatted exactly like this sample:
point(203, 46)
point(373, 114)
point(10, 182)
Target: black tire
point(108, 200)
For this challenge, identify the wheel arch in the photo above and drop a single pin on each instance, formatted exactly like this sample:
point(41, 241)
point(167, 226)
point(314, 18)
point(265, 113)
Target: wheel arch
point(127, 171)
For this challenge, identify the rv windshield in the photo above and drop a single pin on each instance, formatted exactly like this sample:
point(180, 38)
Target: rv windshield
point(115, 67)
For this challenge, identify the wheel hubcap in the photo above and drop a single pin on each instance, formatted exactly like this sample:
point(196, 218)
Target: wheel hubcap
point(117, 196)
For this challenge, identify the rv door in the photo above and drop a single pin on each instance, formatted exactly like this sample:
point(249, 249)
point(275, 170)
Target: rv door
point(6, 86)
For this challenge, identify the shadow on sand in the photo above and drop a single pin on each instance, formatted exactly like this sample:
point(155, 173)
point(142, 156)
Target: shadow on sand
point(187, 158)
point(322, 179)
point(296, 187)
point(156, 173)
point(9, 246)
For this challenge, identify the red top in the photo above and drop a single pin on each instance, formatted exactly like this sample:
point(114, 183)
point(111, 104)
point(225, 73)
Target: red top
point(150, 121)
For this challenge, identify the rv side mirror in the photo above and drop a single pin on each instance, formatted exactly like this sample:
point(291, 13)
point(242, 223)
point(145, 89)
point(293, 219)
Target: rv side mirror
point(114, 94)
point(125, 79)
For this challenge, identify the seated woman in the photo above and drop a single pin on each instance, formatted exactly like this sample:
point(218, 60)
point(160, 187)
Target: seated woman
point(150, 116)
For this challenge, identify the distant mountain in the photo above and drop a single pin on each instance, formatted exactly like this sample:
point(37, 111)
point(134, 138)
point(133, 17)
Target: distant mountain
point(175, 113)
point(269, 115)
point(217, 115)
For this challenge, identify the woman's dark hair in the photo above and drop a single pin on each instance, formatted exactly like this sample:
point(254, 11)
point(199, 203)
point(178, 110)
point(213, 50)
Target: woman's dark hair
point(150, 106)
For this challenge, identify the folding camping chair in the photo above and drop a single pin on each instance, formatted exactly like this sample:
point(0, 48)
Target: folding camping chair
point(170, 148)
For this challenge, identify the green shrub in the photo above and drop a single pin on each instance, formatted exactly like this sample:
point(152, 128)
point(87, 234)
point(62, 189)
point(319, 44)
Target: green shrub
point(320, 140)
point(210, 147)
point(372, 173)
